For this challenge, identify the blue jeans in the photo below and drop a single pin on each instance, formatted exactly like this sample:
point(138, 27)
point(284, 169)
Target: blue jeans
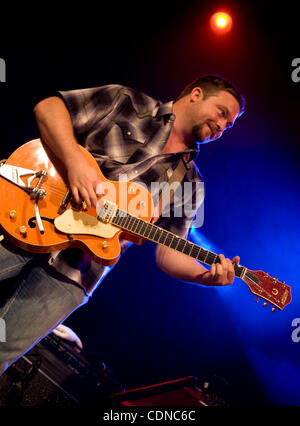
point(34, 299)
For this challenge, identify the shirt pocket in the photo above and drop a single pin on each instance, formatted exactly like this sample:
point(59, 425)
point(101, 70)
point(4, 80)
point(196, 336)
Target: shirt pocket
point(131, 132)
point(123, 140)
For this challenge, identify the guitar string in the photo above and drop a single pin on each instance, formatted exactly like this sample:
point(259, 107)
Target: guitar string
point(53, 188)
point(56, 194)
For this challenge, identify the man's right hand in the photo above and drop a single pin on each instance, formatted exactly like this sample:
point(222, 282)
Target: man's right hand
point(83, 180)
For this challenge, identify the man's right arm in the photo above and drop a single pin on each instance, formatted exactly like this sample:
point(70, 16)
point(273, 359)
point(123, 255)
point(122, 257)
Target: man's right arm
point(56, 130)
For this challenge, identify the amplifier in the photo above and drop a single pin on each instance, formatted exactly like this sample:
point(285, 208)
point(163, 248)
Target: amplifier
point(53, 373)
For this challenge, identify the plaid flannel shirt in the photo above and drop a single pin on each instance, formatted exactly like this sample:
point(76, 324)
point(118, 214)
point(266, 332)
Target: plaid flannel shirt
point(126, 131)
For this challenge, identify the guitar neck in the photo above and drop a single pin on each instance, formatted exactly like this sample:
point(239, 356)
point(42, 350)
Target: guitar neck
point(158, 235)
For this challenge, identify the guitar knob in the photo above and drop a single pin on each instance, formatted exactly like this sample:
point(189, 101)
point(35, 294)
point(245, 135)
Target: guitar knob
point(273, 309)
point(257, 300)
point(105, 244)
point(12, 214)
point(23, 231)
point(265, 304)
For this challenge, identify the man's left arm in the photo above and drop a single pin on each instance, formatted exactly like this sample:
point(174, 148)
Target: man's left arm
point(185, 268)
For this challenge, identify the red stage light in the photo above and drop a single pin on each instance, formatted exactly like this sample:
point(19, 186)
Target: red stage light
point(221, 22)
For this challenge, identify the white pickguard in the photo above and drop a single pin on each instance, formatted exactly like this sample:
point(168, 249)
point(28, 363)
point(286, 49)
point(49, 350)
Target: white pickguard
point(78, 222)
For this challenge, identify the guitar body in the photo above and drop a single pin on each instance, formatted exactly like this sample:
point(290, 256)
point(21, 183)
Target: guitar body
point(17, 208)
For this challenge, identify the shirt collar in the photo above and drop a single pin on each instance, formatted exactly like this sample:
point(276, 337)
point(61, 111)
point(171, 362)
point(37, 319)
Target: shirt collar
point(166, 109)
point(163, 109)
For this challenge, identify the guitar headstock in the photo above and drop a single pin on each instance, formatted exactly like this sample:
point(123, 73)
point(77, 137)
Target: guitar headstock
point(268, 288)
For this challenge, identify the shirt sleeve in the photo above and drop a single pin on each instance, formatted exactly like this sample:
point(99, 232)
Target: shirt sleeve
point(88, 106)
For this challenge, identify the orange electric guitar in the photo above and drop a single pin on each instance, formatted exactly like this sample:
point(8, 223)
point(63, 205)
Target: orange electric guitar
point(36, 214)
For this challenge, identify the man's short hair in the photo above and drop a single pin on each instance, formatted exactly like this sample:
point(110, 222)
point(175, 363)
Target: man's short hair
point(212, 84)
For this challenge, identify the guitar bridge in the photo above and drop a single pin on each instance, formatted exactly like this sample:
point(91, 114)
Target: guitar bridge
point(65, 202)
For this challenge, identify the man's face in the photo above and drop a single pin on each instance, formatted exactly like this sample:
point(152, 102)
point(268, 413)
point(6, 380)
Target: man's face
point(211, 116)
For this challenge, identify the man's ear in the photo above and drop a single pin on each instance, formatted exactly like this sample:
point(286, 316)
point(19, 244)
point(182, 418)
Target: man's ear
point(196, 94)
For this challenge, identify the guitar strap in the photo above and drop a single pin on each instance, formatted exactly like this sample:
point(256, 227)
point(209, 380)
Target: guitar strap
point(177, 177)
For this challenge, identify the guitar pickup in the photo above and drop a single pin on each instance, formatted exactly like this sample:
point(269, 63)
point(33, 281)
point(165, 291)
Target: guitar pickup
point(107, 211)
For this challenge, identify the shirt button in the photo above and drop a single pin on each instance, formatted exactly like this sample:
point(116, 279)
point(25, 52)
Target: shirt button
point(172, 117)
point(128, 133)
point(136, 171)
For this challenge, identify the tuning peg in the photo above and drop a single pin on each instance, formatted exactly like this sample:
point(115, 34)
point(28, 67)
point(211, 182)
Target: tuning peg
point(265, 304)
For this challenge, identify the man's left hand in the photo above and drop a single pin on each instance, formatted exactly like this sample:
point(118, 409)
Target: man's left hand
point(221, 273)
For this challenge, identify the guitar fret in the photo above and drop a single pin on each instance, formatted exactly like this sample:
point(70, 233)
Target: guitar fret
point(181, 245)
point(202, 255)
point(174, 242)
point(206, 256)
point(188, 248)
point(132, 224)
point(194, 251)
point(147, 231)
point(163, 234)
point(152, 232)
point(123, 220)
point(169, 240)
point(136, 223)
point(138, 228)
point(143, 228)
point(130, 219)
point(212, 258)
point(118, 220)
point(156, 237)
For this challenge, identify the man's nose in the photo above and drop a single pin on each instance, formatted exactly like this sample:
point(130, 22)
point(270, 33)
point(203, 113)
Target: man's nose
point(220, 129)
point(221, 126)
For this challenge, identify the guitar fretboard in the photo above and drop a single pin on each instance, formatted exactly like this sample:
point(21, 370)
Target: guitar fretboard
point(159, 235)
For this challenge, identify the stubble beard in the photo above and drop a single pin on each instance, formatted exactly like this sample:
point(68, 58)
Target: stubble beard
point(198, 133)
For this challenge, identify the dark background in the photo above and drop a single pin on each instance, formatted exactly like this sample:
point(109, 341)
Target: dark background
point(145, 325)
